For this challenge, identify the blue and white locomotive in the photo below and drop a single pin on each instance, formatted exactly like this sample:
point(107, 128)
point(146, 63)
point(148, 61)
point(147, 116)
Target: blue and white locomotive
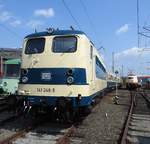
point(59, 68)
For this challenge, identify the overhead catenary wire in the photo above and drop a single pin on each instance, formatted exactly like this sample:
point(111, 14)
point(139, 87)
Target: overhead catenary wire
point(88, 17)
point(139, 34)
point(69, 11)
point(90, 22)
point(138, 25)
point(145, 27)
point(10, 31)
point(144, 34)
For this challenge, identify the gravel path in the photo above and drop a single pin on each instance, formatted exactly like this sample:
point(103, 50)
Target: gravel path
point(105, 123)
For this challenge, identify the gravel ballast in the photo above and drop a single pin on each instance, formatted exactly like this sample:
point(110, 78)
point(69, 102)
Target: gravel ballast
point(105, 123)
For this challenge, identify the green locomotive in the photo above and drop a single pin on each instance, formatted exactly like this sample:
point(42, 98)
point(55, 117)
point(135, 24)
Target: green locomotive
point(10, 79)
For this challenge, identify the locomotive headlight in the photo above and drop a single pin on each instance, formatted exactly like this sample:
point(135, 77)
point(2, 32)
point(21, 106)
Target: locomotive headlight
point(24, 71)
point(24, 79)
point(70, 80)
point(69, 72)
point(21, 92)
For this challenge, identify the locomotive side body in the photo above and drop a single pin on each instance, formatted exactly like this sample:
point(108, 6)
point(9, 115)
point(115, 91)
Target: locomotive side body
point(58, 67)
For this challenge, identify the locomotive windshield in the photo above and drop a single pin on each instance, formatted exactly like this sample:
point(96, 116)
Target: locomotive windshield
point(64, 44)
point(12, 70)
point(34, 46)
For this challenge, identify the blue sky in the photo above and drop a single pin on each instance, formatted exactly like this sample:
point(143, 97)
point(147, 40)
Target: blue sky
point(113, 26)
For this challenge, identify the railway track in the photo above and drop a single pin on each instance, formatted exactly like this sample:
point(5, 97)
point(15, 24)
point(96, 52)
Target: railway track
point(42, 132)
point(137, 126)
point(46, 132)
point(3, 104)
point(52, 133)
point(3, 97)
point(3, 107)
point(22, 129)
point(2, 101)
point(7, 117)
point(29, 132)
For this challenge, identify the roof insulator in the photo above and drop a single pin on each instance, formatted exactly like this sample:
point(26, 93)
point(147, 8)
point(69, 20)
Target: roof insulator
point(72, 28)
point(50, 30)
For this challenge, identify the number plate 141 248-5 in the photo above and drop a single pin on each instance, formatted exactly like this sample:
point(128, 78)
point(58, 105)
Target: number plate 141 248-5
point(46, 90)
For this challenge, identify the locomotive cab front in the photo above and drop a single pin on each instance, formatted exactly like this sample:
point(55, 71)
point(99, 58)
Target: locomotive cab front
point(55, 68)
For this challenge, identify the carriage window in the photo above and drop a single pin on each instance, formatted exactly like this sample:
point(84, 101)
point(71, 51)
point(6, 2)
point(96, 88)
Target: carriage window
point(100, 70)
point(64, 44)
point(34, 46)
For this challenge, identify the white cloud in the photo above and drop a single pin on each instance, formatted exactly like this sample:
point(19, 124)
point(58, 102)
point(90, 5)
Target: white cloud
point(8, 17)
point(5, 16)
point(129, 52)
point(123, 29)
point(133, 59)
point(44, 12)
point(132, 53)
point(34, 23)
point(15, 23)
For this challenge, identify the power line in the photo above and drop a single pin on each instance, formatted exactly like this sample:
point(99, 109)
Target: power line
point(146, 28)
point(89, 19)
point(138, 26)
point(69, 11)
point(10, 31)
point(144, 35)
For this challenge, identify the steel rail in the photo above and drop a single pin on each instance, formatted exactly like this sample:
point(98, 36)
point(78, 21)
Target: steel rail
point(4, 108)
point(65, 139)
point(9, 119)
point(145, 96)
point(21, 132)
point(2, 104)
point(125, 131)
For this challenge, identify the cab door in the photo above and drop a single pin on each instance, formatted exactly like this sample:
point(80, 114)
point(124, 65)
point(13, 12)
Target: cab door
point(92, 61)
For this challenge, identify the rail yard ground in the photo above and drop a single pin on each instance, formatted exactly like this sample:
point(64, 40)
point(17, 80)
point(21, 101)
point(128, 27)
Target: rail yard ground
point(137, 128)
point(104, 124)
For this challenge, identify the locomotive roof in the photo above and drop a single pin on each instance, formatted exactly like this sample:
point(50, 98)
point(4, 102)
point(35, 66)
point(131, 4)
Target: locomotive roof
point(55, 32)
point(13, 61)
